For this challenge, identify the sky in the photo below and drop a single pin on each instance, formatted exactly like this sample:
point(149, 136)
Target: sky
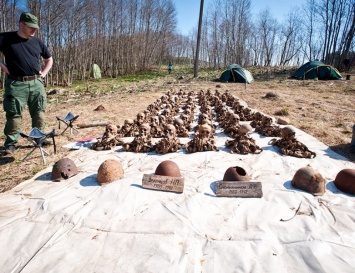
point(188, 10)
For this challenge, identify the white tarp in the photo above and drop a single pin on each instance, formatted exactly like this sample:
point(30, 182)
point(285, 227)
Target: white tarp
point(78, 226)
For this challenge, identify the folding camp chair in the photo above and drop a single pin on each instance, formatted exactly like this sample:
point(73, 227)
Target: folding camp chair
point(68, 121)
point(36, 137)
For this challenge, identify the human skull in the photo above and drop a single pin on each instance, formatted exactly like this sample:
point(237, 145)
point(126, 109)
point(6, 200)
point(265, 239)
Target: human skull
point(258, 116)
point(207, 121)
point(247, 111)
point(235, 118)
point(111, 130)
point(169, 131)
point(222, 111)
point(288, 133)
point(162, 119)
point(244, 129)
point(128, 122)
point(229, 114)
point(223, 97)
point(178, 122)
point(164, 98)
point(203, 117)
point(140, 117)
point(144, 130)
point(127, 125)
point(167, 112)
point(204, 131)
point(266, 121)
point(240, 107)
point(154, 121)
point(185, 118)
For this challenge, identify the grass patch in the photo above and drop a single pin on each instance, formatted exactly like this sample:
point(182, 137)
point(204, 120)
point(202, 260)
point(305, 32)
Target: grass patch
point(282, 112)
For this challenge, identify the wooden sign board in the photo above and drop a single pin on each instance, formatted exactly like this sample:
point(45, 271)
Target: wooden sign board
point(239, 189)
point(163, 183)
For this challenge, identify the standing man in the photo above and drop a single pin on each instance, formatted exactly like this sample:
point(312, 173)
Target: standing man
point(170, 67)
point(24, 77)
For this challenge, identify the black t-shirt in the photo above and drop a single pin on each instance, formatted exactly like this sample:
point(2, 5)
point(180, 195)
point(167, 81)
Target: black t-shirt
point(22, 56)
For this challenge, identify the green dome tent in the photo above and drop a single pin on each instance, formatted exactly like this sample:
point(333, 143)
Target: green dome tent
point(317, 70)
point(236, 73)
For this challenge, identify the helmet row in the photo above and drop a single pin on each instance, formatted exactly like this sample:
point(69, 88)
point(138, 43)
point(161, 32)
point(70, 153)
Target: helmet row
point(305, 178)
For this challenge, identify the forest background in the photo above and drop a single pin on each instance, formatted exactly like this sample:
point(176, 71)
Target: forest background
point(130, 36)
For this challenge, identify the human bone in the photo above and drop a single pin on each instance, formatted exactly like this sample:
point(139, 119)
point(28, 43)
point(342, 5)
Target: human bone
point(169, 143)
point(141, 143)
point(128, 129)
point(266, 127)
point(140, 118)
point(289, 145)
point(242, 143)
point(109, 140)
point(202, 141)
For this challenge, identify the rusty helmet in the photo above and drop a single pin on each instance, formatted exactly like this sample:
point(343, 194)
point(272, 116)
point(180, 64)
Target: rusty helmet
point(168, 168)
point(236, 174)
point(109, 171)
point(63, 169)
point(345, 181)
point(309, 180)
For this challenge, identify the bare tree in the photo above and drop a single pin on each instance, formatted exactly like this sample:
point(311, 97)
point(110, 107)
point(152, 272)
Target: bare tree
point(291, 38)
point(347, 41)
point(268, 28)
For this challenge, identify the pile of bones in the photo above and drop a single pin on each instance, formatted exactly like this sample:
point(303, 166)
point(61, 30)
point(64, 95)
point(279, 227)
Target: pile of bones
point(197, 115)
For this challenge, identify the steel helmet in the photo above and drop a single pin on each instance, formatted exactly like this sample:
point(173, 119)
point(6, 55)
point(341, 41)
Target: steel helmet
point(236, 174)
point(309, 180)
point(109, 171)
point(345, 181)
point(63, 169)
point(168, 168)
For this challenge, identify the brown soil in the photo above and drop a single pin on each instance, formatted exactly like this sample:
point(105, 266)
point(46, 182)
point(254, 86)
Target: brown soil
point(323, 109)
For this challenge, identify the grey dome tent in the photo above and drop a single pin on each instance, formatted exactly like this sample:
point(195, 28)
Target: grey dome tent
point(236, 73)
point(316, 70)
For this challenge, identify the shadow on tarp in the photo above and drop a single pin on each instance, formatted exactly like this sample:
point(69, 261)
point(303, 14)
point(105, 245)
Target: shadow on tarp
point(345, 150)
point(332, 188)
point(45, 177)
point(271, 148)
point(89, 181)
point(213, 187)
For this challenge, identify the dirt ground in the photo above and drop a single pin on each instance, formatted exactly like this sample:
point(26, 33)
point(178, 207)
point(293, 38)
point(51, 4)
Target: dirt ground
point(323, 109)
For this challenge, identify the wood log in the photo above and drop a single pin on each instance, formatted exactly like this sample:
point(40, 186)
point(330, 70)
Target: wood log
point(94, 124)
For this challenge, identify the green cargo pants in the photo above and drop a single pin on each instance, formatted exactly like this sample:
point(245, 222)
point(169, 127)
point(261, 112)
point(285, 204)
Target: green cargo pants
point(17, 95)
